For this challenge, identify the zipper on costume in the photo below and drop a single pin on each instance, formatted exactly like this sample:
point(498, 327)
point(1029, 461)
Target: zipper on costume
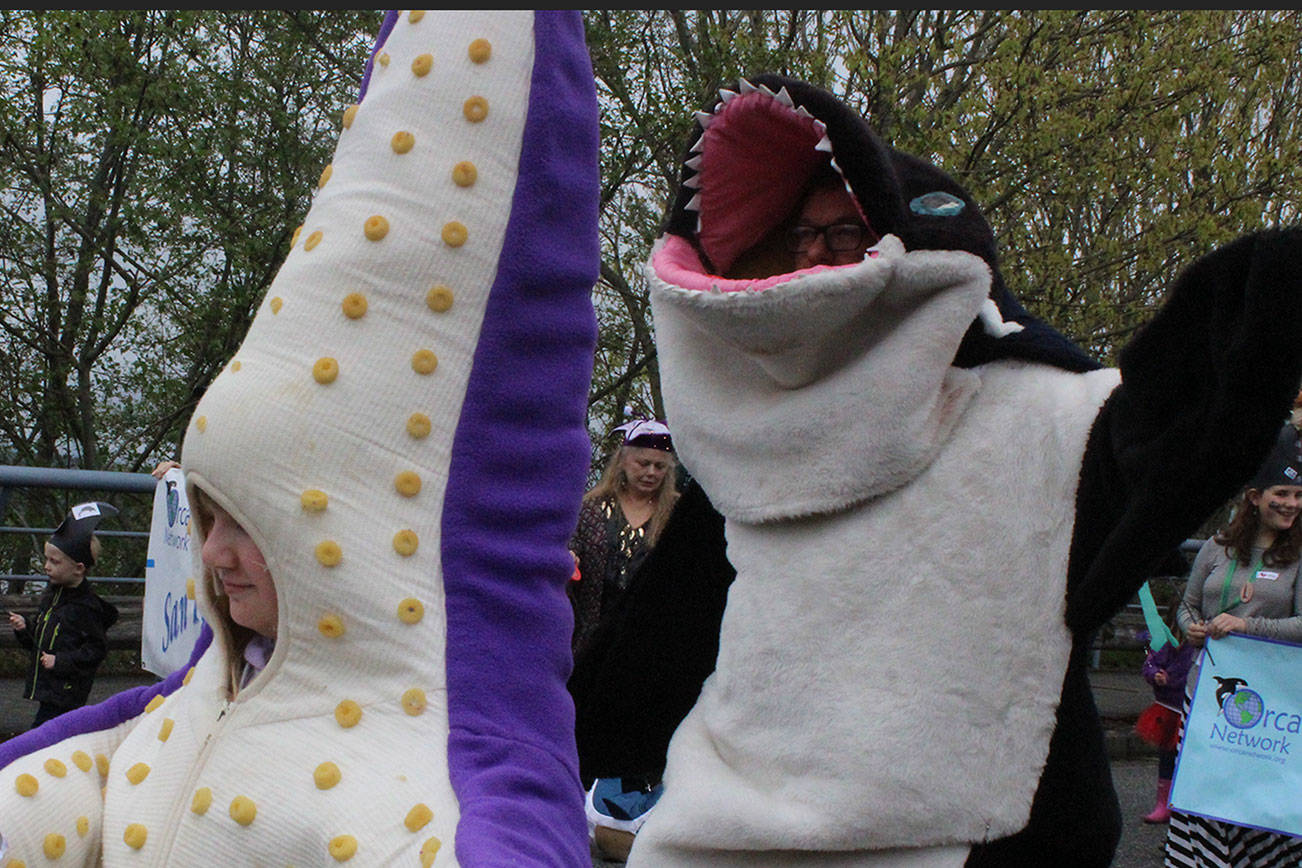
point(187, 791)
point(40, 638)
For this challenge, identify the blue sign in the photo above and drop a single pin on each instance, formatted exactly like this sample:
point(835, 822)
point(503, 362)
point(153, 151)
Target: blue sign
point(1241, 757)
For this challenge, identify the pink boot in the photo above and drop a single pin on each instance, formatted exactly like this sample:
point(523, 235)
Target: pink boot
point(1161, 812)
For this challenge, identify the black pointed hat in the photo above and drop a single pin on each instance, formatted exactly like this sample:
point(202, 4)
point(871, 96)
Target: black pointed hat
point(72, 537)
point(1283, 466)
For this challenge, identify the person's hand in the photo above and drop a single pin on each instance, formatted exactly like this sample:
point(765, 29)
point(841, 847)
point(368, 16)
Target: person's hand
point(1197, 633)
point(17, 621)
point(1159, 678)
point(1224, 624)
point(163, 467)
point(47, 660)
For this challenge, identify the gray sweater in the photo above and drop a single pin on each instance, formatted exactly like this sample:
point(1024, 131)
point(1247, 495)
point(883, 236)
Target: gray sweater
point(1275, 610)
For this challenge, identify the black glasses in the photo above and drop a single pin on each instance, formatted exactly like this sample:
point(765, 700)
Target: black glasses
point(838, 238)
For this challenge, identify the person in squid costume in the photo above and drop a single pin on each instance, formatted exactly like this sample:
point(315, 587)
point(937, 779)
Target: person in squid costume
point(429, 334)
point(932, 501)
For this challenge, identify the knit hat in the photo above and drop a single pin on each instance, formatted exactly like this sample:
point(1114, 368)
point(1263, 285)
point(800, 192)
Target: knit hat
point(73, 536)
point(648, 434)
point(1283, 466)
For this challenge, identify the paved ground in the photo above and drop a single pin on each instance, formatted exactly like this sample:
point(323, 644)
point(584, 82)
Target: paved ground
point(1120, 697)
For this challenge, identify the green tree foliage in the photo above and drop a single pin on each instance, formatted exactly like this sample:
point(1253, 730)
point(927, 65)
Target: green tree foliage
point(154, 166)
point(1108, 148)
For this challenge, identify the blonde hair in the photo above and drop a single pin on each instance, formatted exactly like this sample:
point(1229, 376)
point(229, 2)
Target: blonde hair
point(613, 481)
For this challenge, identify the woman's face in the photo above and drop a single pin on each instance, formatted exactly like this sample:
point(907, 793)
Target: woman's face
point(645, 469)
point(237, 562)
point(1278, 505)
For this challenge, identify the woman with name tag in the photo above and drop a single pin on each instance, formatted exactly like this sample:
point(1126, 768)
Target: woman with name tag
point(1245, 580)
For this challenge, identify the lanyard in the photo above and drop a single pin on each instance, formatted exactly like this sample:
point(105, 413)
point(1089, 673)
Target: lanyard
point(1226, 605)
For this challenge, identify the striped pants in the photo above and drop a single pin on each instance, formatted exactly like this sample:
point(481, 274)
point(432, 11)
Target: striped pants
point(1198, 842)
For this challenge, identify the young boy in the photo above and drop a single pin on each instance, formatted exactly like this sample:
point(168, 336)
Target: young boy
point(67, 637)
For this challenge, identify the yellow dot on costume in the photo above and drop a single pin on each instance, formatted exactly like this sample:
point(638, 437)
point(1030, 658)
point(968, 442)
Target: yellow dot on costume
point(375, 227)
point(330, 626)
point(15, 863)
point(428, 851)
point(349, 114)
point(407, 483)
point(348, 714)
point(154, 703)
point(189, 588)
point(54, 845)
point(475, 109)
point(102, 764)
point(165, 731)
point(325, 176)
point(135, 835)
point(201, 424)
point(480, 50)
point(26, 785)
point(312, 240)
point(235, 366)
point(405, 542)
point(189, 673)
point(243, 810)
point(276, 304)
point(82, 760)
point(297, 232)
point(55, 767)
point(138, 772)
point(415, 15)
point(326, 775)
point(464, 174)
point(422, 64)
point(354, 305)
point(83, 826)
point(417, 817)
point(418, 425)
point(411, 610)
point(343, 847)
point(325, 371)
point(424, 361)
point(314, 500)
point(402, 142)
point(383, 59)
point(439, 299)
point(328, 553)
point(413, 701)
point(454, 233)
point(202, 801)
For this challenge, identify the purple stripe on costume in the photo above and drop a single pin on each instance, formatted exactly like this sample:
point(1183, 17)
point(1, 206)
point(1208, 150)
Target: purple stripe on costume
point(517, 471)
point(118, 708)
point(386, 27)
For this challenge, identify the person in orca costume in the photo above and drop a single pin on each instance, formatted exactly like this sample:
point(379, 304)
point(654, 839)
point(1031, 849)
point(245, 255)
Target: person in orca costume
point(933, 500)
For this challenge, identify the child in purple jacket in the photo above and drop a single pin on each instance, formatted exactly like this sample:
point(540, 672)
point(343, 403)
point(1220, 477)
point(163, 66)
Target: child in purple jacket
point(1166, 669)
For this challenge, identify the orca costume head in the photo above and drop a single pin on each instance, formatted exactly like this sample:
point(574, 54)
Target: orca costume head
point(753, 154)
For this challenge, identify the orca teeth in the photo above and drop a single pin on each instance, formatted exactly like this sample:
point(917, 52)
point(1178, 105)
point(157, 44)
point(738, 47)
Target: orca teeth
point(694, 163)
point(727, 95)
point(692, 181)
point(695, 205)
point(785, 98)
point(698, 145)
point(746, 86)
point(704, 119)
point(824, 145)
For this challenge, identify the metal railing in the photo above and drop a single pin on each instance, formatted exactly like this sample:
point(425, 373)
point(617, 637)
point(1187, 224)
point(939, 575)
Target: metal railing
point(14, 477)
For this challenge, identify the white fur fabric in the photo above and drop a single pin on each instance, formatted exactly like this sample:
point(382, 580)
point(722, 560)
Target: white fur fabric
point(822, 392)
point(888, 675)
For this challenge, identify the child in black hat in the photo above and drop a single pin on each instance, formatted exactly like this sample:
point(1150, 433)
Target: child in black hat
point(67, 637)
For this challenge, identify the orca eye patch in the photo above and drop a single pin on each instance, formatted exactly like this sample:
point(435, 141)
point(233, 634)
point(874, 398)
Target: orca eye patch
point(937, 204)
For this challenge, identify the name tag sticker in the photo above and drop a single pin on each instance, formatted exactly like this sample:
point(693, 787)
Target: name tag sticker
point(1267, 575)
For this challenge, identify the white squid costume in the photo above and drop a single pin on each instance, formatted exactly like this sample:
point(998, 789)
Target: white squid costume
point(432, 319)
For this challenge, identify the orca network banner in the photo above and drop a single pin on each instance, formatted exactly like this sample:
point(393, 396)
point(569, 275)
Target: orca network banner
point(170, 623)
point(1241, 757)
